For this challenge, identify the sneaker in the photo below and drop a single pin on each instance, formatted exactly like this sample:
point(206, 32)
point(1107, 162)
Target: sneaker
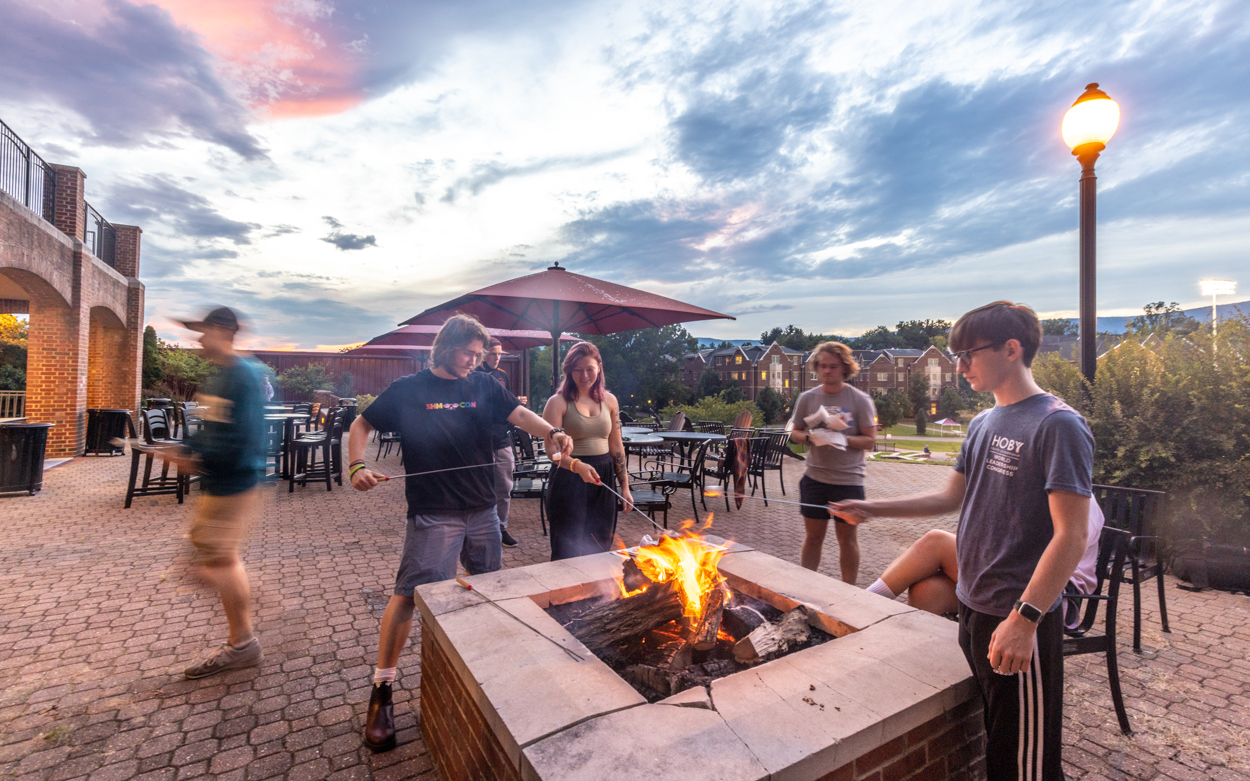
point(227, 657)
point(508, 541)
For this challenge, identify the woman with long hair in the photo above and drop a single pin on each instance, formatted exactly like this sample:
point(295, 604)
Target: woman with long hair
point(582, 511)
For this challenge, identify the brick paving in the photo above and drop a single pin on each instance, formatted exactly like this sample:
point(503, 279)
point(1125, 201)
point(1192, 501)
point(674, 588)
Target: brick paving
point(98, 618)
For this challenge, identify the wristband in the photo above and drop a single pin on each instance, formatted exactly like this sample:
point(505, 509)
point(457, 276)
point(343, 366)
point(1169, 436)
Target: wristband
point(555, 431)
point(354, 463)
point(355, 468)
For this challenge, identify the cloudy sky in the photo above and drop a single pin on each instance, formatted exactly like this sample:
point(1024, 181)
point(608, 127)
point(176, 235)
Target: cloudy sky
point(332, 167)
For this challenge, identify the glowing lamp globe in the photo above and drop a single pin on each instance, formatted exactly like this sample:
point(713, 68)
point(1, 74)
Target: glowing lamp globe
point(1092, 119)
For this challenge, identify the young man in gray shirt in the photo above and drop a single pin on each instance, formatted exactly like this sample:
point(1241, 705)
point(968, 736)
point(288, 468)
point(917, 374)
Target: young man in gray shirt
point(1022, 485)
point(833, 473)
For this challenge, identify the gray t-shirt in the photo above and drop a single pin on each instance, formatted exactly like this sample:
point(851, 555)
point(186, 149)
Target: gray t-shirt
point(826, 464)
point(1013, 458)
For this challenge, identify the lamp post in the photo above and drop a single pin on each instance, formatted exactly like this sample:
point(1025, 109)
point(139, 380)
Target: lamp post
point(1213, 288)
point(1087, 127)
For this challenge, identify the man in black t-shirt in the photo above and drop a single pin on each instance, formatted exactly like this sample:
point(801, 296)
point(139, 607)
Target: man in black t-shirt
point(505, 461)
point(446, 418)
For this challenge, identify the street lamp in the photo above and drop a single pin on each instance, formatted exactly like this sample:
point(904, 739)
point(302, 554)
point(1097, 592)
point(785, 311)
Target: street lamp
point(1087, 127)
point(1213, 288)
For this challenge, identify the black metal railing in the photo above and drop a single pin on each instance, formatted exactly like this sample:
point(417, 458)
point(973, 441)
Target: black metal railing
point(99, 236)
point(25, 176)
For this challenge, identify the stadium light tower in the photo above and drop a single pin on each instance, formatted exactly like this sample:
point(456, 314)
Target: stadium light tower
point(1213, 288)
point(1087, 127)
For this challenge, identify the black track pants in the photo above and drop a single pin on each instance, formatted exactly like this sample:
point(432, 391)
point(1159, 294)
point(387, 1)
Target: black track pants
point(1023, 712)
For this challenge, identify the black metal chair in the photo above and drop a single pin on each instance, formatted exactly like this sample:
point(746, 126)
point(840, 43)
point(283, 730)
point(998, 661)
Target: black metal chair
point(327, 442)
point(388, 439)
point(1113, 547)
point(1136, 511)
point(156, 433)
point(651, 493)
point(680, 476)
point(533, 485)
point(766, 454)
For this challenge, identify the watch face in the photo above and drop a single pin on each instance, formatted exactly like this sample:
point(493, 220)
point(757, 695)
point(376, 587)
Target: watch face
point(1029, 612)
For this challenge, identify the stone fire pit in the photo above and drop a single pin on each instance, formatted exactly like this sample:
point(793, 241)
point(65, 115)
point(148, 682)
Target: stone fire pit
point(892, 693)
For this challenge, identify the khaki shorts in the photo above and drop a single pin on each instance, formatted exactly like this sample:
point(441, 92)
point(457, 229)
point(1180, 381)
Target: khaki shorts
point(221, 525)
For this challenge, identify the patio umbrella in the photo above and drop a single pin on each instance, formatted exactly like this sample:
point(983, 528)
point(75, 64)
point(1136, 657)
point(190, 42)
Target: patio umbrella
point(557, 300)
point(423, 335)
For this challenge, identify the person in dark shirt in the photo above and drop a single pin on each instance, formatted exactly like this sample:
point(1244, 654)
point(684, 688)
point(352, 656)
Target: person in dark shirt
point(446, 418)
point(229, 454)
point(1022, 485)
point(505, 460)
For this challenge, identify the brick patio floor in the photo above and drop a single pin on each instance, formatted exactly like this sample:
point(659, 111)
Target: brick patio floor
point(98, 618)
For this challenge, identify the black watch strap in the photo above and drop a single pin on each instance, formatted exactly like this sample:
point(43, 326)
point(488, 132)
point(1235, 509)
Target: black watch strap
point(1028, 612)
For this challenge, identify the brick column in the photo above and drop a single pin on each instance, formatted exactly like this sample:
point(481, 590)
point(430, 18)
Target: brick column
point(128, 237)
point(71, 212)
point(56, 368)
point(130, 384)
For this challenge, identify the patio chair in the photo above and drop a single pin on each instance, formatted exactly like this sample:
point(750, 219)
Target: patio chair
point(766, 455)
point(388, 439)
point(710, 427)
point(743, 420)
point(533, 485)
point(682, 476)
point(678, 423)
point(527, 458)
point(1113, 547)
point(155, 432)
point(326, 442)
point(651, 493)
point(1136, 511)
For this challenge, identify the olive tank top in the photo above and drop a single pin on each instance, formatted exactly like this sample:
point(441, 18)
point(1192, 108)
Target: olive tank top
point(590, 434)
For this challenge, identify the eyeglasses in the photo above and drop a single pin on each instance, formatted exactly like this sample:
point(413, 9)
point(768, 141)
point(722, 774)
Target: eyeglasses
point(476, 356)
point(965, 356)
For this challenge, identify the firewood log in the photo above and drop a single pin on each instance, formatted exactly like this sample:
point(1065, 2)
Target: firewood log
point(623, 618)
point(632, 576)
point(741, 621)
point(704, 636)
point(768, 640)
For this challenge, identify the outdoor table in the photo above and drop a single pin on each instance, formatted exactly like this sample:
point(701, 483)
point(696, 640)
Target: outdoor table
point(288, 436)
point(627, 430)
point(686, 440)
point(634, 443)
point(11, 421)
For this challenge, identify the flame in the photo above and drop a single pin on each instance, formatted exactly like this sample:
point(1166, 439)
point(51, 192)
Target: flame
point(688, 561)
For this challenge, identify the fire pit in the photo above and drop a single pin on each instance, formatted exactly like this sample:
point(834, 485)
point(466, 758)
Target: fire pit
point(832, 683)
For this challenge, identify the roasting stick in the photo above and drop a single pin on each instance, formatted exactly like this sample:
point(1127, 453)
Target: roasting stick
point(624, 501)
point(469, 587)
point(781, 501)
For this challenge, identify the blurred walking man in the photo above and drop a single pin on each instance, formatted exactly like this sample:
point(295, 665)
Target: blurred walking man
point(505, 460)
point(1022, 485)
point(446, 419)
point(229, 454)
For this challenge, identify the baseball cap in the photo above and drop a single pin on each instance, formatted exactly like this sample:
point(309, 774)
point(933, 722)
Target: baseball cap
point(222, 317)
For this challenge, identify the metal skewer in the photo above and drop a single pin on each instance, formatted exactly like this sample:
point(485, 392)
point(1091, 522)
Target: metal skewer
point(824, 507)
point(469, 587)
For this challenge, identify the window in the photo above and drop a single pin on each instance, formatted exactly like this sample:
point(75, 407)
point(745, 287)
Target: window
point(737, 359)
point(933, 361)
point(787, 383)
point(899, 378)
point(776, 360)
point(948, 378)
point(763, 375)
point(812, 375)
point(883, 378)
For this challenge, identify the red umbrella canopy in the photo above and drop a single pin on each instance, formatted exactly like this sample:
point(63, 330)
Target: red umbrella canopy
point(424, 335)
point(558, 300)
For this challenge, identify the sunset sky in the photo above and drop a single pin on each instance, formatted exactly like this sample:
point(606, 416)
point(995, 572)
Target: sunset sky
point(331, 168)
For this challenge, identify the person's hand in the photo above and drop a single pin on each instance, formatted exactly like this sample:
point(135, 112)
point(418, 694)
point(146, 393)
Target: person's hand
point(563, 444)
point(1011, 645)
point(364, 479)
point(525, 400)
point(587, 472)
point(628, 504)
point(853, 511)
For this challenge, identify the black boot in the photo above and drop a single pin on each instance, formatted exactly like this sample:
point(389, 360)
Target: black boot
point(380, 723)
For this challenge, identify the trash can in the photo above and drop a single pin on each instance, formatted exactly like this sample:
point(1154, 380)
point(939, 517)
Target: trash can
point(103, 426)
point(349, 405)
point(21, 456)
point(159, 403)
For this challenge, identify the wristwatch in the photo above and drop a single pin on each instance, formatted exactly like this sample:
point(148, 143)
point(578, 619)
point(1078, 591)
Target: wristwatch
point(1027, 611)
point(555, 431)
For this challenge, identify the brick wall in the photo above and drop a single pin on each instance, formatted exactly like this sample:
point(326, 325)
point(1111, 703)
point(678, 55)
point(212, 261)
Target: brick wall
point(56, 374)
point(461, 743)
point(71, 211)
point(127, 251)
point(950, 746)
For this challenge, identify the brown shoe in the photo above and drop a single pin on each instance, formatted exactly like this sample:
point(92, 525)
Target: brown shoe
point(380, 723)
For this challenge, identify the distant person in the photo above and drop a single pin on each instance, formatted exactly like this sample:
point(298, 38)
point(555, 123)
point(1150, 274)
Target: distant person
point(1022, 484)
point(581, 511)
point(833, 475)
point(229, 454)
point(505, 460)
point(929, 571)
point(268, 389)
point(446, 418)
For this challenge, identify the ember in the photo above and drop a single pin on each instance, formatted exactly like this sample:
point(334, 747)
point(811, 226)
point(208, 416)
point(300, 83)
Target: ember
point(677, 624)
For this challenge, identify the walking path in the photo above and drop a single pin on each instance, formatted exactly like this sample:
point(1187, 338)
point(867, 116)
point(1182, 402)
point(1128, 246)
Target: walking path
point(98, 619)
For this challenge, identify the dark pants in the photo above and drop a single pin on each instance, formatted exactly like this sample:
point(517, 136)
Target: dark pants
point(582, 516)
point(1023, 712)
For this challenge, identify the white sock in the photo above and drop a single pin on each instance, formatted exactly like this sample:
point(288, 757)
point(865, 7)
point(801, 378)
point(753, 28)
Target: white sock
point(384, 676)
point(880, 588)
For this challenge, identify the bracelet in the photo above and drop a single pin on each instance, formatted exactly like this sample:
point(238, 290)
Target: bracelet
point(355, 468)
point(361, 462)
point(555, 431)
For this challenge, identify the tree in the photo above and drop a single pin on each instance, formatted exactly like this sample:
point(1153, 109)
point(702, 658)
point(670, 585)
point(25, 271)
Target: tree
point(298, 382)
point(1061, 326)
point(889, 407)
point(153, 367)
point(710, 384)
point(950, 403)
point(918, 390)
point(1060, 377)
point(879, 338)
point(919, 334)
point(1162, 319)
point(732, 394)
point(644, 363)
point(921, 420)
point(14, 335)
point(794, 338)
point(185, 371)
point(772, 405)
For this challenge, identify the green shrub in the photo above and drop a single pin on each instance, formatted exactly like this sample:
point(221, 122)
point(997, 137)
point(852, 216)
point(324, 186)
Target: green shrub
point(363, 400)
point(12, 377)
point(772, 405)
point(921, 420)
point(712, 408)
point(889, 406)
point(185, 371)
point(299, 382)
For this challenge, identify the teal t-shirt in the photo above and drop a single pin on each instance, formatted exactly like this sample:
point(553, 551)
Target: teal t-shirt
point(231, 443)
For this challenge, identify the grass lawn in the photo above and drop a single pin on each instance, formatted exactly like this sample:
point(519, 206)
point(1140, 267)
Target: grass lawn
point(910, 431)
point(935, 446)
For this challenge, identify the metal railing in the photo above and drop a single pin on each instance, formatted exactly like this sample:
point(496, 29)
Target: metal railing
point(100, 236)
point(25, 176)
point(12, 404)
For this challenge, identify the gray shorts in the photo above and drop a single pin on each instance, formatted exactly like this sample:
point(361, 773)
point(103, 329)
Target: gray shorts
point(433, 543)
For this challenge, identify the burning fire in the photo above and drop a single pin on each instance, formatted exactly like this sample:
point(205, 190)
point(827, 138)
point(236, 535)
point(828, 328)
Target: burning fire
point(686, 559)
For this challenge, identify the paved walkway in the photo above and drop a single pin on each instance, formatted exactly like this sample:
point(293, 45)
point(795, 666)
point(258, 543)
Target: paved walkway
point(98, 619)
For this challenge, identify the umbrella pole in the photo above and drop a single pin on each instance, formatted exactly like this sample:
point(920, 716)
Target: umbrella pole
point(555, 362)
